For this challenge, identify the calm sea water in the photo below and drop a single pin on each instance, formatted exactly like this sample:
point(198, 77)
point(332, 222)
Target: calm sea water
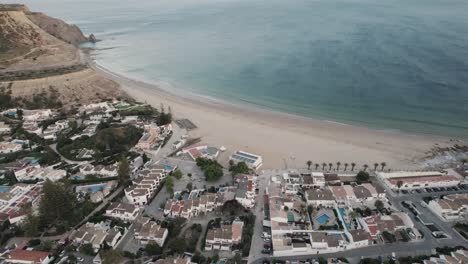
point(391, 64)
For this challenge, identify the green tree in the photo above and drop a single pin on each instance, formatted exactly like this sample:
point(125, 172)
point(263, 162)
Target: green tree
point(330, 165)
point(382, 165)
point(56, 204)
point(346, 166)
point(237, 258)
point(189, 186)
point(310, 209)
point(31, 224)
point(124, 171)
point(324, 165)
point(111, 256)
point(177, 174)
point(169, 184)
point(375, 166)
point(379, 205)
point(309, 163)
point(362, 176)
point(87, 249)
point(213, 173)
point(153, 249)
point(317, 166)
point(352, 166)
point(239, 168)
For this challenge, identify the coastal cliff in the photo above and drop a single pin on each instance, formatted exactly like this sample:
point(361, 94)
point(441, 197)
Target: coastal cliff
point(58, 28)
point(39, 53)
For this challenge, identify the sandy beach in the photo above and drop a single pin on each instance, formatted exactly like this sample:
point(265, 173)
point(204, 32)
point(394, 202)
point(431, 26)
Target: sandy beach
point(283, 140)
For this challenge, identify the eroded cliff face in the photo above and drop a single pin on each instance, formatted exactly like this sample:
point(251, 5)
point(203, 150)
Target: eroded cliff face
point(17, 36)
point(58, 28)
point(39, 54)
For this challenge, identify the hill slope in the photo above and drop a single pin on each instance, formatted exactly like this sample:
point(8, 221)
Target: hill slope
point(38, 54)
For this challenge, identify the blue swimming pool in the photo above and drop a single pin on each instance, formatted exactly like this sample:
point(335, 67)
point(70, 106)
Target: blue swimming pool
point(343, 215)
point(322, 219)
point(4, 188)
point(167, 167)
point(96, 188)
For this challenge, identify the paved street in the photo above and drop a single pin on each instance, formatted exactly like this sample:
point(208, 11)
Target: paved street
point(257, 242)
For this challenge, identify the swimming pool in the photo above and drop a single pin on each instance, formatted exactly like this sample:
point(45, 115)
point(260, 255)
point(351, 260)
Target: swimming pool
point(4, 188)
point(343, 215)
point(96, 188)
point(322, 219)
point(167, 167)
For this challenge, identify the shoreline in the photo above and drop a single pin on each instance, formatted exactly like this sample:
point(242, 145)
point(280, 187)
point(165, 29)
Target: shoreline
point(283, 139)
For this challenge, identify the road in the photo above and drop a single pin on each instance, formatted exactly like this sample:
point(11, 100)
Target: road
point(54, 148)
point(257, 242)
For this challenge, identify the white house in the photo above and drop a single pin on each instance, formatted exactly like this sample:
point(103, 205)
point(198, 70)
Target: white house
point(147, 231)
point(122, 211)
point(452, 207)
point(253, 161)
point(320, 197)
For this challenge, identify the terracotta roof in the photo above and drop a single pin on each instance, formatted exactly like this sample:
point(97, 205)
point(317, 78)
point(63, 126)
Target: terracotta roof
point(25, 255)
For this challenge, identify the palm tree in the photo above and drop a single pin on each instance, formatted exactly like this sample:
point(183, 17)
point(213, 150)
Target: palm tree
point(338, 164)
point(365, 167)
point(309, 163)
point(346, 166)
point(383, 164)
point(324, 165)
point(330, 165)
point(375, 166)
point(316, 166)
point(352, 166)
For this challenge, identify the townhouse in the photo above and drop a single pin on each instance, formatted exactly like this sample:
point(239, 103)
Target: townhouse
point(144, 187)
point(123, 211)
point(193, 207)
point(224, 237)
point(15, 198)
point(96, 235)
point(245, 193)
point(147, 231)
point(377, 224)
point(320, 197)
point(451, 208)
point(456, 257)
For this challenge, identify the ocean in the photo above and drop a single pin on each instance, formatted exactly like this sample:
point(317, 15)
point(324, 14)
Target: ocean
point(388, 64)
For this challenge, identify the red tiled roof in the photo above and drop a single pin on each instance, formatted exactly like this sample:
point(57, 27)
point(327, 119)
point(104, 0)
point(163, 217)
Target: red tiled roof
point(25, 255)
point(423, 179)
